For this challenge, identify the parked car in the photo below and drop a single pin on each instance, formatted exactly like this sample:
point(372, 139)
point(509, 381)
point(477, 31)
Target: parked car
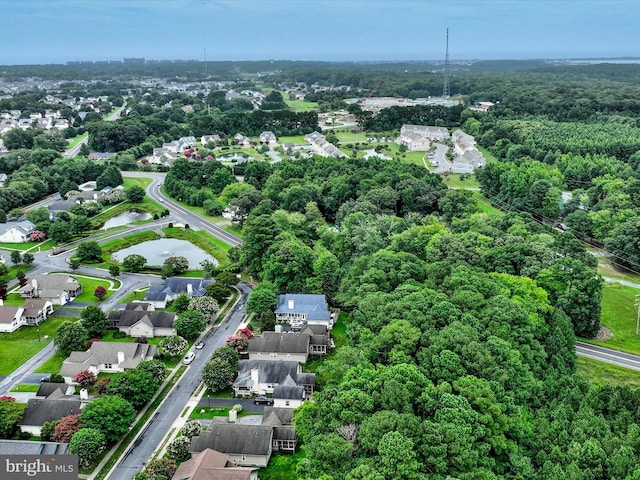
point(199, 345)
point(189, 357)
point(263, 399)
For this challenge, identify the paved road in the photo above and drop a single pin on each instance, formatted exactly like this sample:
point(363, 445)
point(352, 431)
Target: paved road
point(607, 355)
point(621, 282)
point(146, 443)
point(444, 165)
point(73, 151)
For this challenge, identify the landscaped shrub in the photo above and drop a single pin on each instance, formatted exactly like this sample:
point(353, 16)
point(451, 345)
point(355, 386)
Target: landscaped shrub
point(119, 334)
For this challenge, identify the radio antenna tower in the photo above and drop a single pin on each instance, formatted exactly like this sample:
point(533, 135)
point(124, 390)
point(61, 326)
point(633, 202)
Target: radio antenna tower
point(446, 92)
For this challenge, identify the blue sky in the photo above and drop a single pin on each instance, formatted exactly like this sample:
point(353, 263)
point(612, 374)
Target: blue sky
point(55, 31)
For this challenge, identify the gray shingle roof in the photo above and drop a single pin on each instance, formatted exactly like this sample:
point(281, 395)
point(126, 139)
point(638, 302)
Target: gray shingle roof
point(47, 388)
point(40, 410)
point(287, 392)
point(127, 318)
point(26, 447)
point(279, 343)
point(235, 439)
point(25, 227)
point(269, 371)
point(277, 417)
point(107, 352)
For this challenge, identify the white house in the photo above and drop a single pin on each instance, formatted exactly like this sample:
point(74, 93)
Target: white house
point(16, 232)
point(11, 318)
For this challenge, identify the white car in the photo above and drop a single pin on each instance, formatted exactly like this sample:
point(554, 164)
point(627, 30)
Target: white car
point(189, 357)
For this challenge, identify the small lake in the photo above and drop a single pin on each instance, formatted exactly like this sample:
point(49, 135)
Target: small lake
point(157, 251)
point(125, 218)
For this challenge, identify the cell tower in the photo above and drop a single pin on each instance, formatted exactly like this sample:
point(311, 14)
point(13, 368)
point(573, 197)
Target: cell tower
point(446, 91)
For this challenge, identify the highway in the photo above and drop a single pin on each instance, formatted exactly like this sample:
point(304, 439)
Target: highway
point(607, 355)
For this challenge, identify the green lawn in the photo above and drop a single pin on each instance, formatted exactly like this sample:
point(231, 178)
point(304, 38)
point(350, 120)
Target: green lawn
point(210, 412)
point(608, 269)
point(52, 365)
point(349, 137)
point(300, 105)
point(297, 139)
point(485, 205)
point(26, 387)
point(76, 140)
point(600, 373)
point(282, 466)
point(23, 247)
point(489, 157)
point(454, 180)
point(619, 315)
point(19, 346)
point(135, 295)
point(88, 287)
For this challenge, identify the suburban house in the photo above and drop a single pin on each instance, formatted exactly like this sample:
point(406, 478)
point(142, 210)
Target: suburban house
point(436, 134)
point(414, 142)
point(141, 319)
point(160, 295)
point(240, 139)
point(322, 147)
point(16, 232)
point(467, 157)
point(107, 357)
point(280, 346)
point(49, 388)
point(268, 137)
point(36, 310)
point(259, 377)
point(58, 289)
point(297, 309)
point(205, 139)
point(41, 410)
point(285, 438)
point(288, 394)
point(11, 318)
point(29, 447)
point(213, 465)
point(245, 445)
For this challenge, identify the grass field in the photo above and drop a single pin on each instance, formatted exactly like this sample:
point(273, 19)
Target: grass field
point(348, 137)
point(297, 139)
point(600, 373)
point(485, 205)
point(300, 105)
point(76, 140)
point(608, 269)
point(454, 180)
point(282, 466)
point(210, 412)
point(19, 346)
point(489, 157)
point(89, 285)
point(26, 387)
point(619, 315)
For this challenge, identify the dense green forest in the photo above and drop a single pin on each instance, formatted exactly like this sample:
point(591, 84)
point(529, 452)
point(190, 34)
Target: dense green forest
point(460, 361)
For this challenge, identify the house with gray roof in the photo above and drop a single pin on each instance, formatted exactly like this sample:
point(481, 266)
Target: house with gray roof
point(107, 357)
point(285, 438)
point(280, 346)
point(48, 388)
point(297, 309)
point(268, 137)
point(259, 377)
point(141, 319)
point(36, 310)
point(288, 394)
point(58, 289)
point(16, 232)
point(245, 445)
point(322, 147)
point(11, 318)
point(28, 447)
point(41, 410)
point(160, 295)
point(213, 465)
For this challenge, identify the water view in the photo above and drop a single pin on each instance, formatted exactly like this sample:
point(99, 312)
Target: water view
point(157, 251)
point(125, 218)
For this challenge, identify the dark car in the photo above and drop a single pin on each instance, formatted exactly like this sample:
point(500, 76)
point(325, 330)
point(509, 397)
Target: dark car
point(261, 399)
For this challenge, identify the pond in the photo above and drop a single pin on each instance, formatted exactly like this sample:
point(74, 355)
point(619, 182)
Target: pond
point(125, 218)
point(157, 251)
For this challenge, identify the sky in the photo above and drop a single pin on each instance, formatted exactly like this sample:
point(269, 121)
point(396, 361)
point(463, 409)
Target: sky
point(56, 31)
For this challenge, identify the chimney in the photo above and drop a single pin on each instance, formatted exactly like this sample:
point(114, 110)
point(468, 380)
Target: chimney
point(278, 328)
point(290, 304)
point(233, 416)
point(120, 357)
point(254, 379)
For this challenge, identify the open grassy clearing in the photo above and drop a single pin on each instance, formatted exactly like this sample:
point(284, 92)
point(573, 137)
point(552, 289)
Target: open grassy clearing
point(458, 181)
point(489, 157)
point(485, 205)
point(89, 286)
point(19, 346)
point(349, 137)
point(619, 315)
point(76, 140)
point(300, 105)
point(608, 269)
point(297, 139)
point(600, 373)
point(210, 412)
point(27, 246)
